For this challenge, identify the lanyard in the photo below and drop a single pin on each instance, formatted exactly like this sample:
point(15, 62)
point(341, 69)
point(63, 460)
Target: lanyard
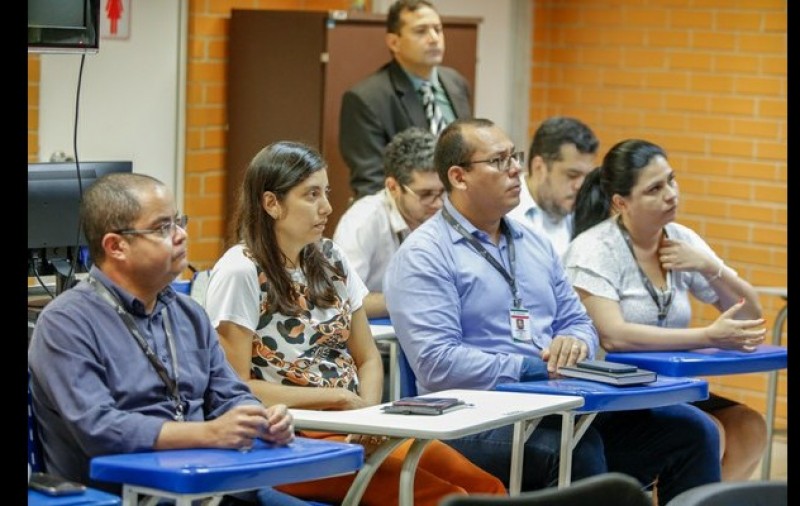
point(663, 300)
point(510, 278)
point(172, 384)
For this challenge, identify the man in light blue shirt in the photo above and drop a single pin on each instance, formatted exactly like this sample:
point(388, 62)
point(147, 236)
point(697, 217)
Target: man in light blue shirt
point(477, 300)
point(561, 154)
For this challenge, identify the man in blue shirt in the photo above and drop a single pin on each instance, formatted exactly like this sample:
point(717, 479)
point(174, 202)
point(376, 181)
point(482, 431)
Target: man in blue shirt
point(478, 299)
point(95, 390)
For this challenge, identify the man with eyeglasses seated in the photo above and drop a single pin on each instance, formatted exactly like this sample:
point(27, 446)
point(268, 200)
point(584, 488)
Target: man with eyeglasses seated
point(478, 299)
point(122, 363)
point(372, 229)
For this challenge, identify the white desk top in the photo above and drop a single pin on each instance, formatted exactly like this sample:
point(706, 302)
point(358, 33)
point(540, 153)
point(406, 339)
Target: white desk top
point(488, 410)
point(382, 332)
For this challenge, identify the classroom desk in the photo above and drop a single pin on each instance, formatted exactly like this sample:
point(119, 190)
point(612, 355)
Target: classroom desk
point(92, 497)
point(715, 362)
point(486, 410)
point(192, 474)
point(383, 331)
point(603, 397)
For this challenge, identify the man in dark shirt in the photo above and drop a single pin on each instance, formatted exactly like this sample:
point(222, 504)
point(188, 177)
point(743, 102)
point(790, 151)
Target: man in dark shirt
point(391, 100)
point(94, 389)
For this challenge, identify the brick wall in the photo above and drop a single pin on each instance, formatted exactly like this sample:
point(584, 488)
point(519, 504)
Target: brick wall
point(705, 79)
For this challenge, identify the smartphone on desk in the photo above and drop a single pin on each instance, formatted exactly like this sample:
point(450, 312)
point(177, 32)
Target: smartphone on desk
point(53, 485)
point(603, 366)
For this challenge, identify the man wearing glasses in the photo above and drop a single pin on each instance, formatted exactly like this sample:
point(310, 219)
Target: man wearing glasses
point(372, 229)
point(121, 363)
point(478, 299)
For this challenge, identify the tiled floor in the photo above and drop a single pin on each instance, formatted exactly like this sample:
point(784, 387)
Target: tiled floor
point(779, 458)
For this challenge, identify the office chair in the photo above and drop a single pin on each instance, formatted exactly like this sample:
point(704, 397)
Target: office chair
point(735, 493)
point(608, 488)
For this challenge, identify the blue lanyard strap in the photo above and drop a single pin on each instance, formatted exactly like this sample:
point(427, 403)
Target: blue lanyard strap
point(510, 278)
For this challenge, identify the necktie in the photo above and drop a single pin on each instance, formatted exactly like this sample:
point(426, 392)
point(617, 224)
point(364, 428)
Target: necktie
point(432, 111)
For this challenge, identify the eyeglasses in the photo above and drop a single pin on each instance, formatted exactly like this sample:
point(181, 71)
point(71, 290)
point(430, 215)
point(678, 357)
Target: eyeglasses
point(166, 229)
point(500, 163)
point(426, 197)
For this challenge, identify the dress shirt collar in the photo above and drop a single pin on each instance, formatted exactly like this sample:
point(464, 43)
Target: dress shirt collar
point(516, 233)
point(129, 302)
point(396, 221)
point(417, 82)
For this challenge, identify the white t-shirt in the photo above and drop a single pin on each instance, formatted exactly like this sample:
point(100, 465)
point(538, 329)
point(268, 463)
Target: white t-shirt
point(369, 233)
point(309, 349)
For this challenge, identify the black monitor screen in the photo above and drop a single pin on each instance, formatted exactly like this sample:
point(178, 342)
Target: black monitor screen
point(64, 26)
point(54, 196)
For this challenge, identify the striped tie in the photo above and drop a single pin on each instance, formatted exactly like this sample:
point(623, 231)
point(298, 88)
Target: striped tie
point(432, 111)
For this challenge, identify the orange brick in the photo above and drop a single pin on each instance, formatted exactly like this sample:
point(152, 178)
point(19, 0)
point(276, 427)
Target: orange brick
point(623, 37)
point(605, 56)
point(752, 212)
point(762, 43)
point(755, 128)
point(623, 78)
point(704, 206)
point(204, 161)
point(670, 80)
point(711, 166)
point(760, 85)
point(772, 108)
point(714, 40)
point(771, 150)
point(730, 189)
point(755, 170)
point(559, 55)
point(597, 97)
point(735, 63)
point(770, 193)
point(774, 65)
point(750, 254)
point(682, 102)
point(775, 21)
point(738, 147)
point(644, 58)
point(213, 72)
point(215, 93)
point(202, 115)
point(770, 235)
point(689, 60)
point(738, 21)
point(664, 120)
point(709, 124)
point(217, 49)
point(711, 82)
point(733, 105)
point(208, 25)
point(645, 17)
point(691, 18)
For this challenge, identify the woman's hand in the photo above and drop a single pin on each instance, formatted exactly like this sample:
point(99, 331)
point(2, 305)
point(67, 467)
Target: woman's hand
point(680, 256)
point(730, 334)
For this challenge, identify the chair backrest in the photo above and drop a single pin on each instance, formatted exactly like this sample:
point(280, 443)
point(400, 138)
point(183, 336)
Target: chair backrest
point(735, 493)
point(35, 459)
point(408, 380)
point(608, 488)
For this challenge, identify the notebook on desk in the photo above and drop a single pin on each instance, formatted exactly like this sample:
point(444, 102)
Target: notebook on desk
point(612, 373)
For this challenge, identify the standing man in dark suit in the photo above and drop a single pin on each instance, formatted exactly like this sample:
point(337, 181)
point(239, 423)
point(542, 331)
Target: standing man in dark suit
point(391, 99)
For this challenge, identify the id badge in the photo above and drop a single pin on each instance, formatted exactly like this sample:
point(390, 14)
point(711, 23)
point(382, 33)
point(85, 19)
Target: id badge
point(520, 324)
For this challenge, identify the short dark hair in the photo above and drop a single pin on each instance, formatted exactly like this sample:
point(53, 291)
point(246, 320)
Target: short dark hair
point(410, 150)
point(558, 130)
point(393, 21)
point(112, 203)
point(453, 149)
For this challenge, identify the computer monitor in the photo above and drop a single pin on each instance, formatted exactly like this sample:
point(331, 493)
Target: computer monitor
point(54, 233)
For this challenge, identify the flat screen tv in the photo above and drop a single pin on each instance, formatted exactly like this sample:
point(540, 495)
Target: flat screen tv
point(63, 26)
point(54, 196)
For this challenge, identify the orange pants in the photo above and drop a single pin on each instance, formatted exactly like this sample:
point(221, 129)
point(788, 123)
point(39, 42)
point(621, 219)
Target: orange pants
point(442, 471)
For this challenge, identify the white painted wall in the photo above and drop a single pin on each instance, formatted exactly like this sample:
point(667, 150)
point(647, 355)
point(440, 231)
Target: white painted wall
point(131, 96)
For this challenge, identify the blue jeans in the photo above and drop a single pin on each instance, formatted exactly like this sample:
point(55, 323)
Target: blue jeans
point(266, 496)
point(677, 444)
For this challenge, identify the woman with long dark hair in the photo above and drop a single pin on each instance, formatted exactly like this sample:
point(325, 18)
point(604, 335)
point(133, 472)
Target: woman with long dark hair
point(288, 309)
point(634, 268)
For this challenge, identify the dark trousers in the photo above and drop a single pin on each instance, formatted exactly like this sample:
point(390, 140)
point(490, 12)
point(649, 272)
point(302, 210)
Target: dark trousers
point(678, 444)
